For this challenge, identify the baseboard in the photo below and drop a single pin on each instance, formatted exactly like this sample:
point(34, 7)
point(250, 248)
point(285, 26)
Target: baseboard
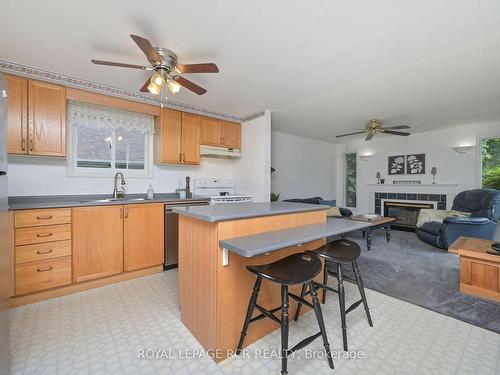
point(82, 286)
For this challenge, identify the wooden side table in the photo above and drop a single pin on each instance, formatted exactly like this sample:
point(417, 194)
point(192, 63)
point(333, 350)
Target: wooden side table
point(479, 271)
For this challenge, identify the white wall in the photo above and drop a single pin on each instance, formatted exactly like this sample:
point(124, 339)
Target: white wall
point(452, 167)
point(46, 176)
point(252, 171)
point(304, 167)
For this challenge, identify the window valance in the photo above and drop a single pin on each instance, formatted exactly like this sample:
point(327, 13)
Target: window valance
point(80, 113)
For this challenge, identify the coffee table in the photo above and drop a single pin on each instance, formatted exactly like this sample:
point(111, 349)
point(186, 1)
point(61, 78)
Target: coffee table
point(383, 222)
point(479, 271)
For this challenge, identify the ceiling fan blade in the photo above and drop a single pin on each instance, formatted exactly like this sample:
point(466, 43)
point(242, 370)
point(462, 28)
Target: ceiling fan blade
point(397, 127)
point(198, 68)
point(144, 87)
point(369, 136)
point(190, 85)
point(345, 135)
point(394, 133)
point(122, 65)
point(147, 48)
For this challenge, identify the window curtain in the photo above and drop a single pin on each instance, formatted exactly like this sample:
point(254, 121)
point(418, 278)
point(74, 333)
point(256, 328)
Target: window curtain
point(80, 113)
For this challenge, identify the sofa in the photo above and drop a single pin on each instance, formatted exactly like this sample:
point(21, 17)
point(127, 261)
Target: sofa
point(483, 205)
point(318, 200)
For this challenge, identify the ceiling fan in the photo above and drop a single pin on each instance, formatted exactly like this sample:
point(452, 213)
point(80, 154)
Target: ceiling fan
point(375, 126)
point(166, 70)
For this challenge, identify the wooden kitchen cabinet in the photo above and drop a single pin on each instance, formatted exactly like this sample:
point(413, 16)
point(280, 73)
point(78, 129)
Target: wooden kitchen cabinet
point(97, 242)
point(36, 117)
point(179, 138)
point(190, 138)
point(143, 236)
point(220, 133)
point(231, 134)
point(17, 115)
point(46, 119)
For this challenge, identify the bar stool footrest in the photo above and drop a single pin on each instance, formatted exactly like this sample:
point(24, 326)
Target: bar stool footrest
point(325, 287)
point(303, 343)
point(266, 313)
point(301, 300)
point(353, 306)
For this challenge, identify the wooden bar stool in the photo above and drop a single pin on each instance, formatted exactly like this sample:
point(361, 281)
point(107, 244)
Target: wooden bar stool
point(336, 253)
point(300, 268)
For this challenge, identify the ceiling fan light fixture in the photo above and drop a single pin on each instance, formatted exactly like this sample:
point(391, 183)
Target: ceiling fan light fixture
point(158, 79)
point(173, 86)
point(154, 89)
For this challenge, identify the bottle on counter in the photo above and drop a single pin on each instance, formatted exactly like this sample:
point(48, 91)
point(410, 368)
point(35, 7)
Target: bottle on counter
point(150, 192)
point(188, 188)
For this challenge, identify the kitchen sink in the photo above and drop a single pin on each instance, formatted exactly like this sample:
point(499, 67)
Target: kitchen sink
point(110, 200)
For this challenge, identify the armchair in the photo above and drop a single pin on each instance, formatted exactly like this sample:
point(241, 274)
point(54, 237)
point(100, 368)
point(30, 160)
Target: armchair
point(484, 207)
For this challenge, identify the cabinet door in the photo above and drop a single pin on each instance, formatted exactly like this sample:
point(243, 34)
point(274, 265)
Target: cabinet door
point(143, 236)
point(17, 115)
point(210, 132)
point(97, 242)
point(231, 134)
point(170, 137)
point(46, 119)
point(190, 138)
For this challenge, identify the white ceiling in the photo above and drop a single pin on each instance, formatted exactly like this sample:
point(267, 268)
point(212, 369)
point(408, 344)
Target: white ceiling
point(322, 67)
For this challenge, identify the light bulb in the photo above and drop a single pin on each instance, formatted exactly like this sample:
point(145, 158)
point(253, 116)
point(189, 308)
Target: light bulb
point(173, 86)
point(158, 79)
point(154, 89)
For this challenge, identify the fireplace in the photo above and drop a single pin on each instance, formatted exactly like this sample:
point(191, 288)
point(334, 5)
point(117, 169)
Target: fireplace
point(406, 213)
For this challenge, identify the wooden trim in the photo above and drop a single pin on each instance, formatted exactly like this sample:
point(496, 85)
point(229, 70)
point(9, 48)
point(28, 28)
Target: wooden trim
point(110, 101)
point(80, 287)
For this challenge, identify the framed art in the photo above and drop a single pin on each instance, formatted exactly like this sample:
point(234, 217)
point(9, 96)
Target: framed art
point(415, 164)
point(396, 165)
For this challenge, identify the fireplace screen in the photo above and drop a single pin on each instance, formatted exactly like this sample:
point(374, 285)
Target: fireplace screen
point(406, 214)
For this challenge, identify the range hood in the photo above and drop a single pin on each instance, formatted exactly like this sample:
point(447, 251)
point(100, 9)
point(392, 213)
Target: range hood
point(219, 152)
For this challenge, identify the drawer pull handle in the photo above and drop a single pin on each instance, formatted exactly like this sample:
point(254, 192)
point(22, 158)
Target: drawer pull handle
point(44, 269)
point(44, 252)
point(44, 217)
point(44, 234)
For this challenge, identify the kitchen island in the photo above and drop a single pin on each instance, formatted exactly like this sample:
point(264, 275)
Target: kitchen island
point(216, 244)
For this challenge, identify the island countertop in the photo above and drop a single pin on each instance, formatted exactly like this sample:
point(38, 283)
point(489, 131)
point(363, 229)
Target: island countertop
point(236, 211)
point(262, 243)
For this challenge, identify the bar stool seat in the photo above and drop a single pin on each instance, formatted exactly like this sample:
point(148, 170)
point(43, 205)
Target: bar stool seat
point(300, 268)
point(342, 251)
point(294, 269)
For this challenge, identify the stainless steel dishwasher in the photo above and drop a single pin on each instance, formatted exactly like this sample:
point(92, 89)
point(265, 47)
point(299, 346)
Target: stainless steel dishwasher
point(172, 231)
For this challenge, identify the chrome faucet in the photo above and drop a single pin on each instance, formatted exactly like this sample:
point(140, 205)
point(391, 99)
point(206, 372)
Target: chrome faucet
point(119, 193)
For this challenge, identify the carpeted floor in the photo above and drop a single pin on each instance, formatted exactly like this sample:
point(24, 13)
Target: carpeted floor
point(410, 270)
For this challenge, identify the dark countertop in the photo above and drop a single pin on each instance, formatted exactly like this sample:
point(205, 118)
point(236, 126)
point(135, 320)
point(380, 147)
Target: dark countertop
point(250, 246)
point(236, 211)
point(57, 201)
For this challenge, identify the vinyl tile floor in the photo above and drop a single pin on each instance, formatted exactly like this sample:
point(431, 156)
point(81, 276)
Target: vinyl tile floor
point(134, 328)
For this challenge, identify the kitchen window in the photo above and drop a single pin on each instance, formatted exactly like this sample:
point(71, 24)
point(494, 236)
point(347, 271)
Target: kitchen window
point(105, 140)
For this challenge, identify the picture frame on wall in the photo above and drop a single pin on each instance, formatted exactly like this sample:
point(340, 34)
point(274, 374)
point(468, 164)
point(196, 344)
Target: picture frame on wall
point(415, 164)
point(396, 165)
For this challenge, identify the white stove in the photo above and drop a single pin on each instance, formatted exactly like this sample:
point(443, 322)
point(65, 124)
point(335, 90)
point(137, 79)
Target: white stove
point(220, 191)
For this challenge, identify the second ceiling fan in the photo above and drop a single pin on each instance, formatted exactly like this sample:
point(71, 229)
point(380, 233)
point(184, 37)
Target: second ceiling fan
point(165, 69)
point(375, 126)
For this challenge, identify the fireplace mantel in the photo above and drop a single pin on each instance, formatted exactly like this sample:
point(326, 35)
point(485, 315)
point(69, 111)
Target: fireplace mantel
point(414, 188)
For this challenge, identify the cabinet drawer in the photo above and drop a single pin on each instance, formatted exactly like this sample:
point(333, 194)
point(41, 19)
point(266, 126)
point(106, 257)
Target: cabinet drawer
point(49, 233)
point(32, 218)
point(45, 274)
point(49, 250)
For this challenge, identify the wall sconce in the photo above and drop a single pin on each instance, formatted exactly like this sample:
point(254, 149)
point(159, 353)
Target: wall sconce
point(462, 149)
point(365, 157)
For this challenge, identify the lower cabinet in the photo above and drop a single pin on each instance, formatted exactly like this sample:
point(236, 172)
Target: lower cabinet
point(143, 236)
point(97, 242)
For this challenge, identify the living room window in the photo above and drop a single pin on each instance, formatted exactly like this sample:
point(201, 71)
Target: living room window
point(350, 179)
point(490, 163)
point(104, 141)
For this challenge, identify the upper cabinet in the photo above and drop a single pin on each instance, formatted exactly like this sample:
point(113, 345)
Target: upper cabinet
point(220, 133)
point(179, 137)
point(36, 118)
